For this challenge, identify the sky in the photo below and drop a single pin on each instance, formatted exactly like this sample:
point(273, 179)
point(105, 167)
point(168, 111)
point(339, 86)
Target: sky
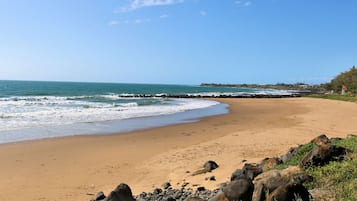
point(177, 41)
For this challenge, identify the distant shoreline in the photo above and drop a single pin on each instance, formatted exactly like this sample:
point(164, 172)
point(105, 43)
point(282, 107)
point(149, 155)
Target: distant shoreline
point(301, 88)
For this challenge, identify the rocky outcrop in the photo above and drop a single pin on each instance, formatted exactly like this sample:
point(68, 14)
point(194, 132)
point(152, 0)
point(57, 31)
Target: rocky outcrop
point(120, 193)
point(249, 170)
point(322, 155)
point(268, 163)
point(239, 190)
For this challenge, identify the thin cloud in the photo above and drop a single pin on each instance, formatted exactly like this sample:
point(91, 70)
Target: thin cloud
point(203, 13)
point(133, 21)
point(136, 4)
point(140, 21)
point(243, 3)
point(113, 23)
point(163, 16)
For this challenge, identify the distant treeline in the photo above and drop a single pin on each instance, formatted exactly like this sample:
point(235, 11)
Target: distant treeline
point(281, 86)
point(347, 79)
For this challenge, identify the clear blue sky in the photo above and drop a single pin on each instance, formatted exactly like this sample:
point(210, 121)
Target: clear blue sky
point(177, 41)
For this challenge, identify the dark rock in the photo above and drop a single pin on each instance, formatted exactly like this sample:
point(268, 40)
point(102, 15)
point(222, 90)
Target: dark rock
point(219, 197)
point(239, 190)
point(322, 139)
point(268, 163)
point(166, 185)
point(194, 199)
point(238, 174)
point(212, 178)
point(157, 191)
point(210, 165)
point(249, 170)
point(267, 182)
point(121, 193)
point(100, 196)
point(301, 178)
point(322, 155)
point(170, 199)
point(201, 188)
point(289, 192)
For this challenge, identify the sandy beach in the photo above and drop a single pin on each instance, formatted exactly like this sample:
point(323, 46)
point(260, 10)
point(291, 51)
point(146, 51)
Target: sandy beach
point(72, 168)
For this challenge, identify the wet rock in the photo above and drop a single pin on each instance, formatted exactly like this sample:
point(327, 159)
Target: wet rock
point(121, 193)
point(241, 189)
point(322, 155)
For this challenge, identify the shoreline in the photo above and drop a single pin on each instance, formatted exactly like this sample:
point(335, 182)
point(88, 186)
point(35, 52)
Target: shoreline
point(111, 127)
point(71, 167)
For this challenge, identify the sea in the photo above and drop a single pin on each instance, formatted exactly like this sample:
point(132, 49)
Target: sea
point(31, 110)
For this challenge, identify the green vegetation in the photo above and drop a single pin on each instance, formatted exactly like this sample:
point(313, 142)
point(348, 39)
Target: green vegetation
point(335, 97)
point(297, 157)
point(348, 78)
point(340, 177)
point(280, 86)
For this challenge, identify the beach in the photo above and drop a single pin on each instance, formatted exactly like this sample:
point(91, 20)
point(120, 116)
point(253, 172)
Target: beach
point(75, 168)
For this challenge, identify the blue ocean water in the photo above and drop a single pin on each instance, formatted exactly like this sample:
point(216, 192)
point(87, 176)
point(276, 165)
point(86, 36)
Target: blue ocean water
point(32, 109)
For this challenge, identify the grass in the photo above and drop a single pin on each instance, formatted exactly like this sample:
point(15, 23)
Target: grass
point(348, 98)
point(297, 157)
point(340, 177)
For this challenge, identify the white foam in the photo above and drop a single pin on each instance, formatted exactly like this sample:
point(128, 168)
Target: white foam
point(37, 111)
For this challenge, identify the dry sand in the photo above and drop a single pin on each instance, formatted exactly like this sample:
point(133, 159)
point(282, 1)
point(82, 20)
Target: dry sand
point(70, 168)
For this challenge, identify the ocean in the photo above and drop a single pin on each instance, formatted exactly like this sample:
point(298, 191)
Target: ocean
point(33, 110)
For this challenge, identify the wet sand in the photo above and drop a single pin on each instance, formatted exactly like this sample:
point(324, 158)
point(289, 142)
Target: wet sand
point(70, 168)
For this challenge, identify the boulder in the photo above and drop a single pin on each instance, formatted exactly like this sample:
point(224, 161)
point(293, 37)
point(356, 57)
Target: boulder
point(322, 155)
point(249, 170)
point(100, 196)
point(219, 197)
point(121, 193)
point(290, 192)
point(268, 181)
point(268, 163)
point(210, 165)
point(321, 139)
point(239, 190)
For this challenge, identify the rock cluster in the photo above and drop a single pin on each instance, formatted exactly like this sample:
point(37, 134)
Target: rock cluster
point(253, 182)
